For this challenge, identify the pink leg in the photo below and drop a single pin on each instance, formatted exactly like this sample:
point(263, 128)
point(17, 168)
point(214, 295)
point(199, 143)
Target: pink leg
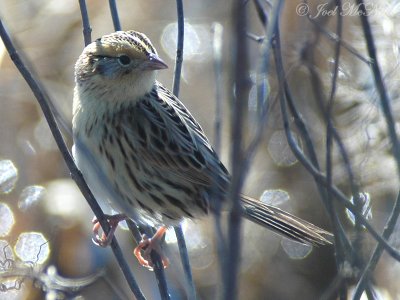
point(113, 221)
point(147, 245)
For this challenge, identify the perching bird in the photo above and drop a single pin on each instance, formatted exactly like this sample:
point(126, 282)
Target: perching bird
point(141, 150)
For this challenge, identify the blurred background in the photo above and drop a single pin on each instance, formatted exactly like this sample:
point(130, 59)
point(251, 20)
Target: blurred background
point(45, 223)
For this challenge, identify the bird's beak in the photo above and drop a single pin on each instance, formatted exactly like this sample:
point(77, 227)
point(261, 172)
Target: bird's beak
point(153, 62)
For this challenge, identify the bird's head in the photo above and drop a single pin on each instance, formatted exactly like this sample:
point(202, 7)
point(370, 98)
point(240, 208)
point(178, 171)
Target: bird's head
point(123, 60)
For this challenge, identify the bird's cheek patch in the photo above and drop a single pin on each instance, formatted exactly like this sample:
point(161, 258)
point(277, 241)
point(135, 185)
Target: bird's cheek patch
point(107, 70)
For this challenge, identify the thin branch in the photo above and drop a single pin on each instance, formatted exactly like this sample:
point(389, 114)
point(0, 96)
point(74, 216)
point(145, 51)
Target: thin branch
point(185, 262)
point(321, 179)
point(344, 250)
point(217, 31)
point(155, 257)
point(114, 15)
point(338, 230)
point(87, 30)
point(386, 107)
point(380, 85)
point(176, 85)
point(158, 268)
point(179, 49)
point(387, 232)
point(242, 86)
point(337, 39)
point(329, 137)
point(43, 100)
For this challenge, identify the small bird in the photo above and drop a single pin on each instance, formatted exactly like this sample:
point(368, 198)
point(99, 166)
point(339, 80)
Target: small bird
point(142, 152)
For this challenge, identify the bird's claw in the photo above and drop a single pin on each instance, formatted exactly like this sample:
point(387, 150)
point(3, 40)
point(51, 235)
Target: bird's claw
point(105, 239)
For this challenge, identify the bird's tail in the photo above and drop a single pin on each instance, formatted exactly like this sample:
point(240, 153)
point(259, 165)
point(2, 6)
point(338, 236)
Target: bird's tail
point(284, 223)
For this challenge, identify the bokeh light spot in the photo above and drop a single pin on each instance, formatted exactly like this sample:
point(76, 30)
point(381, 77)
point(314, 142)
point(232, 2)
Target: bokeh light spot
point(295, 250)
point(30, 196)
point(8, 176)
point(275, 197)
point(201, 251)
point(280, 151)
point(32, 247)
point(43, 136)
point(197, 43)
point(6, 253)
point(63, 198)
point(12, 290)
point(7, 219)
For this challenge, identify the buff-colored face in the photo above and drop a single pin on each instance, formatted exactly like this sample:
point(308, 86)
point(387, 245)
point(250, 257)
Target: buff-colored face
point(118, 56)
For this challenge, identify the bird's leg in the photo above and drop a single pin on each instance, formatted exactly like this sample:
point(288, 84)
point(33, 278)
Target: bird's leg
point(149, 244)
point(105, 239)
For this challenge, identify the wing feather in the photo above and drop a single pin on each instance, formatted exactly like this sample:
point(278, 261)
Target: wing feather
point(168, 138)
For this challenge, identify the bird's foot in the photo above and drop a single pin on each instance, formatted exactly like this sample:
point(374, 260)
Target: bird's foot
point(148, 245)
point(105, 239)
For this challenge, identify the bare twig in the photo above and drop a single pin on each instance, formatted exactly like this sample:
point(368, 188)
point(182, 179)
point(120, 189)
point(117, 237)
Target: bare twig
point(179, 49)
point(339, 234)
point(380, 85)
point(387, 110)
point(155, 257)
point(217, 31)
point(321, 179)
point(387, 232)
point(114, 15)
point(185, 262)
point(337, 39)
point(329, 133)
point(158, 268)
point(87, 30)
point(176, 85)
point(242, 87)
point(43, 100)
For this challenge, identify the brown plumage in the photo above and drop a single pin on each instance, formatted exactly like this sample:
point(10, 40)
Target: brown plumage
point(140, 149)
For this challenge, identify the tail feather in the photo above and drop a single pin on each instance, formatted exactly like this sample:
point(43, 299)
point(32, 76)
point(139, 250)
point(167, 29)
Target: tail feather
point(284, 223)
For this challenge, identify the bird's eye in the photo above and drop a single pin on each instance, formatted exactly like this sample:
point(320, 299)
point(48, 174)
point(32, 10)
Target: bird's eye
point(124, 60)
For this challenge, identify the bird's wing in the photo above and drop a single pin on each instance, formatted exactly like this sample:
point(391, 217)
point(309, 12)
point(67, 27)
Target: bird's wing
point(168, 138)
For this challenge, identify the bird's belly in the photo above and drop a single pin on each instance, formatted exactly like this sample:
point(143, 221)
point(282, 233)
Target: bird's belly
point(144, 194)
point(99, 181)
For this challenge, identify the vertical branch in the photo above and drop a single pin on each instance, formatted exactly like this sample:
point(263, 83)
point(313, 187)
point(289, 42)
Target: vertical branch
point(262, 77)
point(43, 100)
point(179, 49)
point(114, 15)
point(387, 110)
point(329, 133)
point(155, 258)
point(176, 85)
point(380, 85)
point(341, 241)
point(185, 262)
point(242, 87)
point(312, 166)
point(87, 30)
point(217, 30)
point(158, 268)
